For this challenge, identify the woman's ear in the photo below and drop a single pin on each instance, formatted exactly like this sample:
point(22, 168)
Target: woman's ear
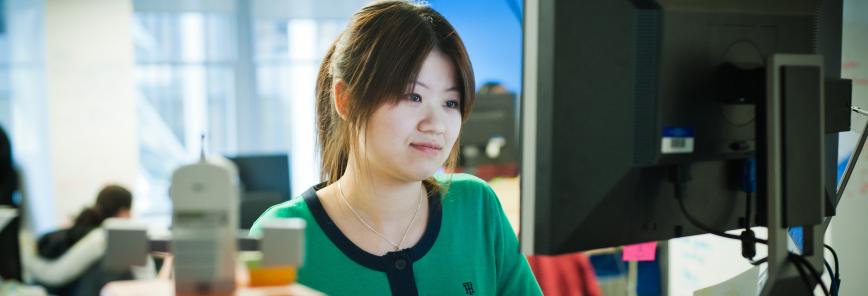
point(342, 98)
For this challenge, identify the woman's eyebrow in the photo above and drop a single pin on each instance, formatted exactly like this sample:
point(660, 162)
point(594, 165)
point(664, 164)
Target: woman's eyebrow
point(453, 88)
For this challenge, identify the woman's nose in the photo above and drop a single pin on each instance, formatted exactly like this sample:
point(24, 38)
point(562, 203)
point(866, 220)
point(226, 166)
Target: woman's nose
point(432, 121)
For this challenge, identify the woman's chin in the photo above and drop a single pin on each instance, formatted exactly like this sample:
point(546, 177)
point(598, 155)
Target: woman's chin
point(421, 173)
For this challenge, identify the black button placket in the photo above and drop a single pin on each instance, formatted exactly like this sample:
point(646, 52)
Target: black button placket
point(397, 265)
point(400, 274)
point(400, 264)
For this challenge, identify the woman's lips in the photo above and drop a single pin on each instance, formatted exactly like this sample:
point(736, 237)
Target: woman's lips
point(427, 148)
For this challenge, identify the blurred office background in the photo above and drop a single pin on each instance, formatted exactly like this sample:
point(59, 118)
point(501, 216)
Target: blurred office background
point(100, 91)
point(94, 92)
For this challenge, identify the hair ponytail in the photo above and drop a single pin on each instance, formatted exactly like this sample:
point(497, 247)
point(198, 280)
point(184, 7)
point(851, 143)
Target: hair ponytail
point(334, 161)
point(109, 202)
point(88, 219)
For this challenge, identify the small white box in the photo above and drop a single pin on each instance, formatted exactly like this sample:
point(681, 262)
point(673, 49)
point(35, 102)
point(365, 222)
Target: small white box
point(283, 242)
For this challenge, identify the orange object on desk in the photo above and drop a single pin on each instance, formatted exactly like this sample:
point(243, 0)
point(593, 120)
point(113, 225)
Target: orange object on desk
point(271, 276)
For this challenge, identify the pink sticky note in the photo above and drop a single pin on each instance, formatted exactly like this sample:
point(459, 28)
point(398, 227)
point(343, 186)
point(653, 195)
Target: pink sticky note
point(640, 252)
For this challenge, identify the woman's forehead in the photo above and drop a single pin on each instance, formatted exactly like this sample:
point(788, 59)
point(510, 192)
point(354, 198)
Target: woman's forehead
point(436, 66)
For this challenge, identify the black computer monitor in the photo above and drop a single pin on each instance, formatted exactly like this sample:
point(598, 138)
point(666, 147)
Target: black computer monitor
point(618, 92)
point(264, 183)
point(489, 136)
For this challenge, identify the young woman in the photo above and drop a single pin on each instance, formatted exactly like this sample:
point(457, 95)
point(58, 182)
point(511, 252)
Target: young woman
point(67, 261)
point(392, 94)
point(10, 261)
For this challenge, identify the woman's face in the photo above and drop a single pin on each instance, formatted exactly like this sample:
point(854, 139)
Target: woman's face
point(410, 140)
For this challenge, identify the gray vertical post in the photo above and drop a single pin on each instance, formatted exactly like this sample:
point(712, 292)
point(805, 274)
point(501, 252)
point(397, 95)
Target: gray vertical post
point(246, 102)
point(795, 179)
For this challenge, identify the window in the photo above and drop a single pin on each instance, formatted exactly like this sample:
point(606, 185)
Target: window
point(5, 87)
point(23, 102)
point(240, 72)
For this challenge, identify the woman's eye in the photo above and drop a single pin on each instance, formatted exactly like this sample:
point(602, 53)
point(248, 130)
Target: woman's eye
point(415, 97)
point(453, 104)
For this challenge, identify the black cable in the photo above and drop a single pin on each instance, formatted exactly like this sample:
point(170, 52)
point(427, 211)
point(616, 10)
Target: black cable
point(678, 182)
point(748, 238)
point(803, 275)
point(748, 184)
point(813, 271)
point(678, 176)
point(699, 225)
point(828, 268)
point(760, 261)
point(835, 256)
point(747, 211)
point(832, 288)
point(836, 276)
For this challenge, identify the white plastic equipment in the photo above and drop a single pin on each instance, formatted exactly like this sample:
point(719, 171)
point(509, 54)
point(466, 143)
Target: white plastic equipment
point(204, 220)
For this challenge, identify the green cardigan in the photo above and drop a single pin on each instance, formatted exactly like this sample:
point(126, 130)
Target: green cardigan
point(468, 248)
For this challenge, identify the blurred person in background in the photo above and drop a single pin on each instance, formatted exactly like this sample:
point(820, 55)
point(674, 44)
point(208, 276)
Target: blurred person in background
point(10, 261)
point(68, 260)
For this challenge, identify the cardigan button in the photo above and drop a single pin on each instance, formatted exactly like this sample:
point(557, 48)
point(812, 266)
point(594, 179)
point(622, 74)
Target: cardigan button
point(401, 264)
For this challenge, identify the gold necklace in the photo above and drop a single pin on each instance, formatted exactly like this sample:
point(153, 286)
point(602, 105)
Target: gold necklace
point(371, 228)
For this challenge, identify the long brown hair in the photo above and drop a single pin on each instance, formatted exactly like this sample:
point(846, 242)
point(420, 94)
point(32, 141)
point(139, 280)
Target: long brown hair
point(379, 54)
point(109, 202)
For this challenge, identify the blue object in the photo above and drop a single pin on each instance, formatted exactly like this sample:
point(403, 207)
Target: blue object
point(797, 234)
point(842, 167)
point(648, 279)
point(608, 265)
point(678, 132)
point(748, 182)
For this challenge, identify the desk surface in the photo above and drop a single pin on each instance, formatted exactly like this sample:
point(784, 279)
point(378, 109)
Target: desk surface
point(165, 287)
point(508, 192)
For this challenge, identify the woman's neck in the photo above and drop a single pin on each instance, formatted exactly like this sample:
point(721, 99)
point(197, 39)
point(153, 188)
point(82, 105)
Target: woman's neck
point(382, 199)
